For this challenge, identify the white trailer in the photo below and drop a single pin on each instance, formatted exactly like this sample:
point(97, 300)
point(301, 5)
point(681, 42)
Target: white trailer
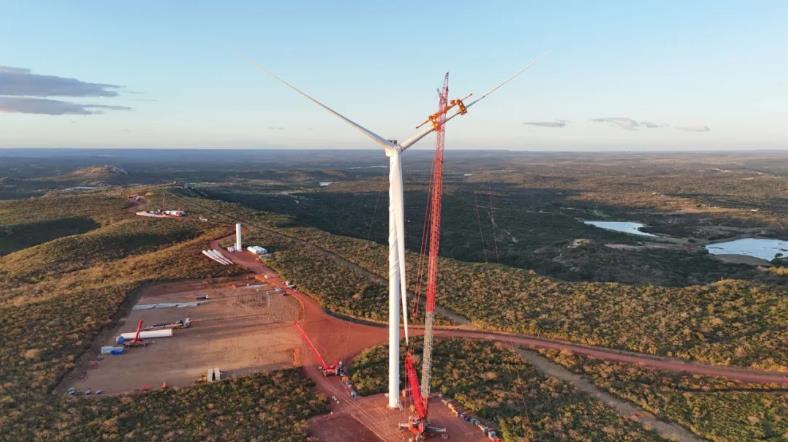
point(148, 334)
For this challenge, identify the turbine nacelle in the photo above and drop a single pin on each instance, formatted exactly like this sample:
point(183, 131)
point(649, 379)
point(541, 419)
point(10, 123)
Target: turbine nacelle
point(392, 149)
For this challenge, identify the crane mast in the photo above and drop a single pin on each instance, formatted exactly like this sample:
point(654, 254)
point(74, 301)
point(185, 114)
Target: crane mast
point(438, 120)
point(418, 423)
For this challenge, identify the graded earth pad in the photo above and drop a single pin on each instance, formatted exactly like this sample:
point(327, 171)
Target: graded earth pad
point(381, 423)
point(240, 328)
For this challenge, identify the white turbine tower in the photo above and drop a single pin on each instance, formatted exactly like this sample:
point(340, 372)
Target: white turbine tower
point(397, 280)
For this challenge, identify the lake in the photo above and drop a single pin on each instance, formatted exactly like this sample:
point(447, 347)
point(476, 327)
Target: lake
point(757, 247)
point(620, 226)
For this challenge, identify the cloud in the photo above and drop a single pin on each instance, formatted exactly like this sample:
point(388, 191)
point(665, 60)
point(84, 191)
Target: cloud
point(12, 70)
point(693, 128)
point(620, 122)
point(28, 105)
point(25, 92)
point(276, 128)
point(22, 82)
point(556, 123)
point(627, 123)
point(652, 125)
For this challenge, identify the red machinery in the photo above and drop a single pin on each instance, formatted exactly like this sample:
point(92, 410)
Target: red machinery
point(137, 341)
point(325, 368)
point(418, 424)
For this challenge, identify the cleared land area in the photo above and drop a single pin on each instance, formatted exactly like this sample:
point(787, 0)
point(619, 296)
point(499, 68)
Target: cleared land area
point(239, 330)
point(381, 423)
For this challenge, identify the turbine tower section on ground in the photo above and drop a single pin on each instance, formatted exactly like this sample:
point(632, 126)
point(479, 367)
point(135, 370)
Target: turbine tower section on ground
point(239, 246)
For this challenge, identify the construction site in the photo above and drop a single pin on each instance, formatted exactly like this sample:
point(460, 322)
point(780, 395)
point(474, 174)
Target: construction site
point(256, 323)
point(328, 345)
point(208, 333)
point(190, 328)
point(178, 334)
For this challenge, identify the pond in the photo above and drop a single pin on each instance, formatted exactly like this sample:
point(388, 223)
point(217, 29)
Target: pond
point(620, 226)
point(757, 247)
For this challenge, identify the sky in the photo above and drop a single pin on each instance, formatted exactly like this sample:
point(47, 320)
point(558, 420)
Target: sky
point(609, 75)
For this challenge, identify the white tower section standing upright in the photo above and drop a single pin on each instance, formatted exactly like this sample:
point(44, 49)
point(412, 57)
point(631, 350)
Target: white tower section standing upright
point(239, 247)
point(397, 281)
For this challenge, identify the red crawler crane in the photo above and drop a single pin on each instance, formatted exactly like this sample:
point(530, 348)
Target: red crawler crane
point(136, 341)
point(418, 423)
point(325, 368)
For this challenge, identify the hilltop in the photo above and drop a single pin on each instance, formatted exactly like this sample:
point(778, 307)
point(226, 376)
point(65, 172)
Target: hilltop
point(99, 175)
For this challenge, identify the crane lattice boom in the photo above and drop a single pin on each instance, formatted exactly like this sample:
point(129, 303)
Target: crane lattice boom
point(436, 196)
point(418, 422)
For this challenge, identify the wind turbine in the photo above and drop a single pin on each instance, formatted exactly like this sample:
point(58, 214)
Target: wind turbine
point(397, 279)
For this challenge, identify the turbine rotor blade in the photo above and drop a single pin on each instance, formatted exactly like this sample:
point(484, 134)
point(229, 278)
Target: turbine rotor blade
point(403, 283)
point(397, 206)
point(503, 83)
point(372, 135)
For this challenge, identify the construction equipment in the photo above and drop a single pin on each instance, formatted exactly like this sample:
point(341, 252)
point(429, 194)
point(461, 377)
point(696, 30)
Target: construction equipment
point(397, 279)
point(438, 118)
point(136, 341)
point(324, 367)
point(181, 323)
point(418, 423)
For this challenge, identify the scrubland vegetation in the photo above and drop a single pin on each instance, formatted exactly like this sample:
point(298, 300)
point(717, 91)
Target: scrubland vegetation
point(271, 407)
point(56, 298)
point(727, 322)
point(117, 240)
point(526, 210)
point(25, 223)
point(102, 207)
point(533, 229)
point(781, 271)
point(714, 409)
point(18, 236)
point(328, 281)
point(493, 383)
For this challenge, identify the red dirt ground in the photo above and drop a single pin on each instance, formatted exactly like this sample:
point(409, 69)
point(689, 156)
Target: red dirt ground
point(226, 334)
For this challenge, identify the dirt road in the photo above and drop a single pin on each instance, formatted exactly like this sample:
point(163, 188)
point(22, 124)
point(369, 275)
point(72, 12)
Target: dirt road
point(340, 331)
point(623, 408)
point(748, 375)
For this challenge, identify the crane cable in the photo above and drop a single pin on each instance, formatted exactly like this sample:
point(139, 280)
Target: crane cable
point(423, 248)
point(492, 223)
point(479, 224)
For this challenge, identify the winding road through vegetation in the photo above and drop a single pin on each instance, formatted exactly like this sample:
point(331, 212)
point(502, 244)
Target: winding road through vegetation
point(747, 375)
